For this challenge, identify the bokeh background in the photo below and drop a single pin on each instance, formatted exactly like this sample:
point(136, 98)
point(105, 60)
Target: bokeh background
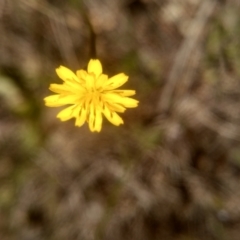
point(172, 171)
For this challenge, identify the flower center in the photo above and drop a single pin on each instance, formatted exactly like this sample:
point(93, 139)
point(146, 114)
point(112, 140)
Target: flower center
point(94, 96)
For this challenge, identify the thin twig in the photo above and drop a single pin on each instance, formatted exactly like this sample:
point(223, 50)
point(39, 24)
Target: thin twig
point(205, 11)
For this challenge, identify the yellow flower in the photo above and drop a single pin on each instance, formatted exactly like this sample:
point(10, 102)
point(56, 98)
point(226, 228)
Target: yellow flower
point(90, 94)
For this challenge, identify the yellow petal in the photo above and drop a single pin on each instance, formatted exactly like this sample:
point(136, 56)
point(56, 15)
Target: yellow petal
point(129, 102)
point(124, 93)
point(52, 101)
point(82, 75)
point(98, 121)
point(101, 80)
point(66, 74)
point(95, 119)
point(95, 66)
point(69, 99)
point(75, 87)
point(112, 117)
point(81, 117)
point(116, 81)
point(90, 82)
point(60, 88)
point(125, 101)
point(60, 100)
point(66, 113)
point(115, 107)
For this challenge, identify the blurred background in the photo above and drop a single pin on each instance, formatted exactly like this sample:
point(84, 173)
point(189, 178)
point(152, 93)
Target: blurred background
point(172, 171)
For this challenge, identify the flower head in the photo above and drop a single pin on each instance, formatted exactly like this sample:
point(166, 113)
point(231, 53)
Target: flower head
point(90, 95)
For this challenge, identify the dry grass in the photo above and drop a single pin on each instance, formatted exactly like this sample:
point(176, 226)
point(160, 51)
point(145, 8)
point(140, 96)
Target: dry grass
point(172, 171)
